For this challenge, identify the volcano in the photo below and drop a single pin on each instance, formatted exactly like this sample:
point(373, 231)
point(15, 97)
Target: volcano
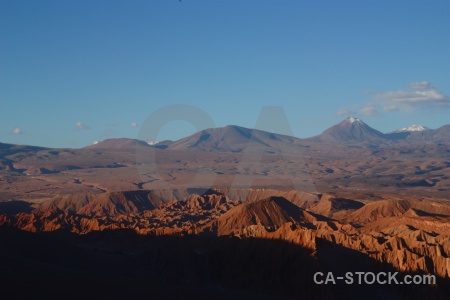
point(350, 130)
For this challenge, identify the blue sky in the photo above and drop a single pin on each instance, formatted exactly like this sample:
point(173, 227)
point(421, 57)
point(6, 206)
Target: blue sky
point(72, 72)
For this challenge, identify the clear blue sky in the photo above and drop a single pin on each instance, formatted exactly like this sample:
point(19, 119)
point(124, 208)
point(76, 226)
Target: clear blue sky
point(72, 72)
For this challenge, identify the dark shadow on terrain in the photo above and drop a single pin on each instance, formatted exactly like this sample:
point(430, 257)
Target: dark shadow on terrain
point(422, 182)
point(14, 207)
point(345, 204)
point(120, 264)
point(10, 149)
point(339, 260)
point(203, 191)
point(422, 213)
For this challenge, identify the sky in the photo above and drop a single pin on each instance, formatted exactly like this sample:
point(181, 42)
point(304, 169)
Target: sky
point(75, 72)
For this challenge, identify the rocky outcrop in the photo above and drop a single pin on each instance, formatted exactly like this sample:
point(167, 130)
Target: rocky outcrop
point(106, 204)
point(115, 203)
point(266, 215)
point(403, 233)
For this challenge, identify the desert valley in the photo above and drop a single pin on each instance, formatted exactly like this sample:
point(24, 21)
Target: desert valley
point(228, 213)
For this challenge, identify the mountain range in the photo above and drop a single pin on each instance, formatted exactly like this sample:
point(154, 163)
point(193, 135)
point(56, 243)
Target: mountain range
point(236, 139)
point(354, 130)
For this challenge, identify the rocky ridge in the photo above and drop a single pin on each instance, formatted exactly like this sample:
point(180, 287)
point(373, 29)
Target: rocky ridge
point(407, 234)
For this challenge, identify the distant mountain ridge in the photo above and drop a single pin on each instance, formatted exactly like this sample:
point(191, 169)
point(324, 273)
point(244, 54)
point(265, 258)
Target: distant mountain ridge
point(417, 134)
point(237, 139)
point(355, 131)
point(119, 143)
point(349, 131)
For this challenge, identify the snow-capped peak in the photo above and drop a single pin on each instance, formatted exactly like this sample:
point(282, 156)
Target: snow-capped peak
point(412, 128)
point(354, 120)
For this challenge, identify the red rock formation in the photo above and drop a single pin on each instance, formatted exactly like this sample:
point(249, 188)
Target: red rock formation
point(406, 233)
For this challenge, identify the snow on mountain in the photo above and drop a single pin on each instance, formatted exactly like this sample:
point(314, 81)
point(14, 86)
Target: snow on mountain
point(354, 120)
point(412, 128)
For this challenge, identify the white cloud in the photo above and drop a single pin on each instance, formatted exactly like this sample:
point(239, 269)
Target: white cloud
point(17, 131)
point(81, 126)
point(369, 110)
point(134, 124)
point(421, 93)
point(95, 143)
